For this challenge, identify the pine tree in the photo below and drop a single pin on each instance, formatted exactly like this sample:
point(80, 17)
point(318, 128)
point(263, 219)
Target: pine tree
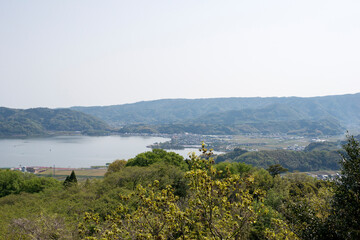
point(72, 177)
point(70, 180)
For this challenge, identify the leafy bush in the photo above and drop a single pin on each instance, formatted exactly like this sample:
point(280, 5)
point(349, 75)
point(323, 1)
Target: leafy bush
point(14, 182)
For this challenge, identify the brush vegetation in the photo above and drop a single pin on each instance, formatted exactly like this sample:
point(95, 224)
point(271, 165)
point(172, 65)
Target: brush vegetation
point(157, 196)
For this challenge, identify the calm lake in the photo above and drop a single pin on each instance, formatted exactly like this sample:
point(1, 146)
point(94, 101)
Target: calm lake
point(74, 151)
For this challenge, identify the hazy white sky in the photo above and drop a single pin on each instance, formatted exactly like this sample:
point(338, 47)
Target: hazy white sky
point(65, 53)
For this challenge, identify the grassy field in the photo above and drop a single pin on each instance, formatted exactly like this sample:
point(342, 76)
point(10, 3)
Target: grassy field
point(81, 173)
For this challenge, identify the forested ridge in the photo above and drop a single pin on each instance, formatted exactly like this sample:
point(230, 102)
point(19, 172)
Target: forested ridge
point(316, 116)
point(315, 157)
point(45, 121)
point(329, 115)
point(159, 195)
point(294, 127)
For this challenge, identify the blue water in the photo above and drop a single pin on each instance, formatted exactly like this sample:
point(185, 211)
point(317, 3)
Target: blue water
point(76, 151)
point(71, 151)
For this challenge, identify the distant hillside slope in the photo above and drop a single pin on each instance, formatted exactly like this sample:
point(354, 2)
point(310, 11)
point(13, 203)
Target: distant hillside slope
point(273, 112)
point(315, 159)
point(296, 127)
point(341, 109)
point(40, 121)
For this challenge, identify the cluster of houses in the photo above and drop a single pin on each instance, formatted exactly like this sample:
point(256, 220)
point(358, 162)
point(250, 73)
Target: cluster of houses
point(24, 169)
point(324, 176)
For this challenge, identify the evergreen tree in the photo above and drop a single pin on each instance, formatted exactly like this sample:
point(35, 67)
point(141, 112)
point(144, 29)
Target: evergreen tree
point(70, 180)
point(346, 204)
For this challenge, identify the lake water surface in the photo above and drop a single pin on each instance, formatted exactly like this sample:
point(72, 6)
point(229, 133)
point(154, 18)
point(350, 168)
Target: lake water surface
point(74, 151)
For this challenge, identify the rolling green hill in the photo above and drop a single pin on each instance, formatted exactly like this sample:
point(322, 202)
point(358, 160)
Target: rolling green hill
point(312, 159)
point(274, 112)
point(43, 121)
point(295, 127)
point(344, 108)
point(327, 115)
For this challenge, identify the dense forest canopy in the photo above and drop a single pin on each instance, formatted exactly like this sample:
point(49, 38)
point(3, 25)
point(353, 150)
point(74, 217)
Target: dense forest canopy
point(293, 160)
point(343, 108)
point(295, 127)
point(43, 121)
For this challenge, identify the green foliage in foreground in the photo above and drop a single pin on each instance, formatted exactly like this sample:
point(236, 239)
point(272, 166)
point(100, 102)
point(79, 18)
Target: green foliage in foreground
point(206, 201)
point(346, 204)
point(155, 156)
point(115, 166)
point(15, 182)
point(214, 208)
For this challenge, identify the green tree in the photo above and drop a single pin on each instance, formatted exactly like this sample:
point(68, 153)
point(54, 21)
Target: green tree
point(346, 204)
point(14, 182)
point(115, 166)
point(70, 180)
point(214, 208)
point(130, 177)
point(219, 208)
point(157, 155)
point(234, 168)
point(306, 211)
point(10, 182)
point(276, 169)
point(38, 184)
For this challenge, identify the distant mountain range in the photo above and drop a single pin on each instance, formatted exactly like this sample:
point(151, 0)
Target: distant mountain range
point(44, 121)
point(327, 115)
